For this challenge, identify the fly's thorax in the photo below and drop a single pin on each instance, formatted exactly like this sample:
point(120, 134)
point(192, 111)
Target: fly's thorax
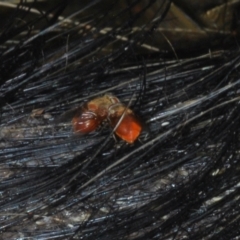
point(111, 98)
point(99, 106)
point(116, 110)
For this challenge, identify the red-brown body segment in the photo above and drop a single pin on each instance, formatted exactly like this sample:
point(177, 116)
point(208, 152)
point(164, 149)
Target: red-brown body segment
point(129, 128)
point(92, 114)
point(108, 107)
point(86, 122)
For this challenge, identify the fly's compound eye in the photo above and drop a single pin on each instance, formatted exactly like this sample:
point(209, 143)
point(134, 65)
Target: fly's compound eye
point(86, 122)
point(129, 127)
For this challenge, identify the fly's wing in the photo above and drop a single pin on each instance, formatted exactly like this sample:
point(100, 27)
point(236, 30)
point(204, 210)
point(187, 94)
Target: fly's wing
point(68, 115)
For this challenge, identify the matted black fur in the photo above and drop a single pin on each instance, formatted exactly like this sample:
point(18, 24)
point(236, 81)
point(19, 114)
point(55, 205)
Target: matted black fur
point(179, 180)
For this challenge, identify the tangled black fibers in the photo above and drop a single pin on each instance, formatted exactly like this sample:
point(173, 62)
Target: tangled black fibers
point(179, 180)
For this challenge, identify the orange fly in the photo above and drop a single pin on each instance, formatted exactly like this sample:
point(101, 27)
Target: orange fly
point(107, 107)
